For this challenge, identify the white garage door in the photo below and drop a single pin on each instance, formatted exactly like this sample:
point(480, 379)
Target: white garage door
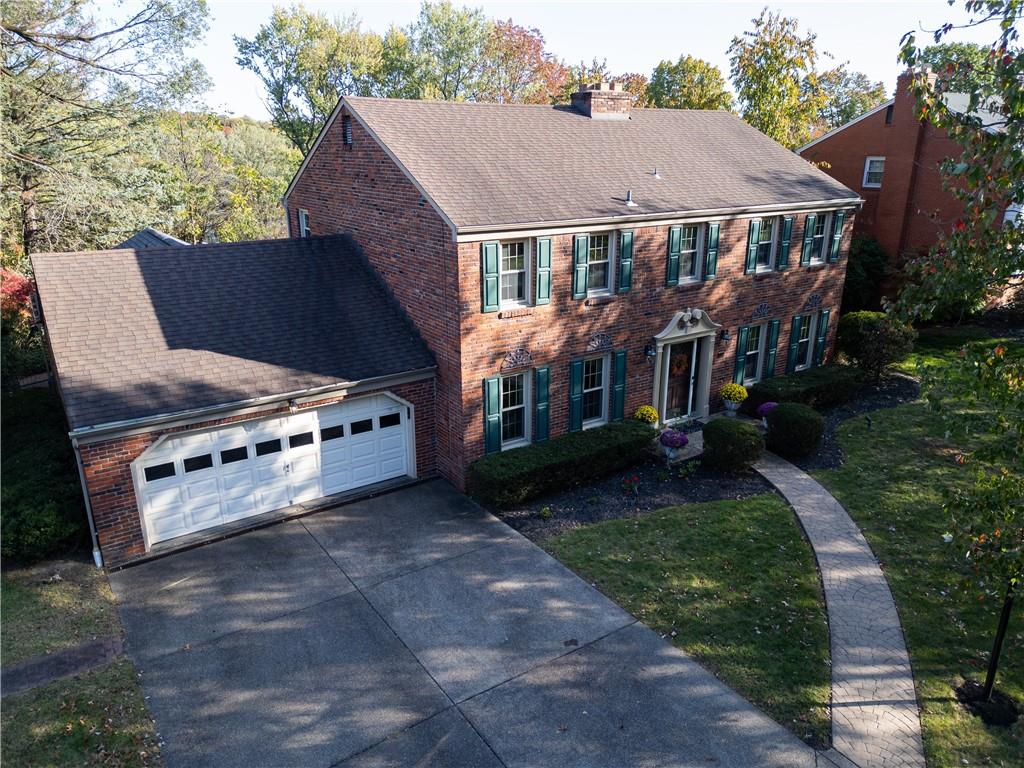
point(202, 479)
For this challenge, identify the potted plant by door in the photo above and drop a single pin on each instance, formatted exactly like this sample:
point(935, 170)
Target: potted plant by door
point(764, 409)
point(732, 395)
point(672, 441)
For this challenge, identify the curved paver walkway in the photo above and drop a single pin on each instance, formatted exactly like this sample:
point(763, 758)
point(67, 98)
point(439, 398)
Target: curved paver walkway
point(875, 721)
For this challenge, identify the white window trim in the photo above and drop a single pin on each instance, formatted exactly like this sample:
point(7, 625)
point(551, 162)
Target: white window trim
point(822, 256)
point(867, 164)
point(699, 256)
point(605, 393)
point(527, 261)
point(613, 250)
point(761, 341)
point(811, 335)
point(770, 267)
point(527, 412)
point(303, 222)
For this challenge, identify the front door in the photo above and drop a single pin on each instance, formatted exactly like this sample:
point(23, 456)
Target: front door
point(681, 379)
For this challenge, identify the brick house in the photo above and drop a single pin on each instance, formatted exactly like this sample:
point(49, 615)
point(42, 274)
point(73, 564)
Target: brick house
point(497, 275)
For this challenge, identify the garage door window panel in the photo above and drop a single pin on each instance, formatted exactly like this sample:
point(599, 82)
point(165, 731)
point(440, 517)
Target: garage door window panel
point(267, 447)
point(301, 439)
point(332, 433)
point(361, 427)
point(233, 455)
point(390, 420)
point(159, 471)
point(197, 463)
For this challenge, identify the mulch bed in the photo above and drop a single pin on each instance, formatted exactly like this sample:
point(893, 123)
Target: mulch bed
point(894, 389)
point(657, 486)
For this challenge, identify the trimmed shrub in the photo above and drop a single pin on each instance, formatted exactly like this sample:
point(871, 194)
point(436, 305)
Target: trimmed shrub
point(794, 430)
point(820, 387)
point(874, 341)
point(866, 268)
point(731, 445)
point(513, 477)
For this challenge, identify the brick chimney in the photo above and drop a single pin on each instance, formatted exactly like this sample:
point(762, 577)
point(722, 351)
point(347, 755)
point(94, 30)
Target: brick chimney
point(603, 101)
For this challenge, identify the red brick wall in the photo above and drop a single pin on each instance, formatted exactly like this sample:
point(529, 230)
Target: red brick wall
point(357, 189)
point(108, 477)
point(558, 332)
point(910, 209)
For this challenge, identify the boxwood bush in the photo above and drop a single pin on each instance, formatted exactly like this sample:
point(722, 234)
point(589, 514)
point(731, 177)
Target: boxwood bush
point(513, 477)
point(731, 445)
point(794, 430)
point(817, 387)
point(874, 341)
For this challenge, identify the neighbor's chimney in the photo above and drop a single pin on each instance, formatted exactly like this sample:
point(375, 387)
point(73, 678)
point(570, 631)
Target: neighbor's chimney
point(603, 101)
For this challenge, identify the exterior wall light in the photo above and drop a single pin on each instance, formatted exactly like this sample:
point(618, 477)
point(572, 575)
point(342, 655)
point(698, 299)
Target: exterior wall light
point(726, 335)
point(293, 405)
point(650, 350)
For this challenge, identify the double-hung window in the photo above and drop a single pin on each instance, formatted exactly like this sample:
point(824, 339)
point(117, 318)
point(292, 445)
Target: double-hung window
point(819, 244)
point(595, 390)
point(689, 252)
point(303, 222)
point(805, 342)
point(874, 167)
point(514, 272)
point(754, 353)
point(766, 244)
point(599, 263)
point(515, 427)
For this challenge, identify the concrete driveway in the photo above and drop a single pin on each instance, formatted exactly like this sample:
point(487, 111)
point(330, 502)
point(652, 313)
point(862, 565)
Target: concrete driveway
point(414, 629)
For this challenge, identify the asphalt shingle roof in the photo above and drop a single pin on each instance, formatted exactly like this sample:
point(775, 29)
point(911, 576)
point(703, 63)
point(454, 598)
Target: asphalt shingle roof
point(140, 333)
point(152, 238)
point(501, 164)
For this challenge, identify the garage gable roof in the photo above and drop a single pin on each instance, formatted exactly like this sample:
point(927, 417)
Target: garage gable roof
point(139, 333)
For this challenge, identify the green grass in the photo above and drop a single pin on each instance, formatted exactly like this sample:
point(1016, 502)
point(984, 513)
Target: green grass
point(734, 584)
point(892, 484)
point(53, 606)
point(95, 719)
point(940, 345)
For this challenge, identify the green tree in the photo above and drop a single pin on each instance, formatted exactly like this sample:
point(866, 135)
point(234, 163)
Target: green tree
point(306, 62)
point(964, 65)
point(448, 48)
point(773, 73)
point(689, 83)
point(847, 95)
point(74, 86)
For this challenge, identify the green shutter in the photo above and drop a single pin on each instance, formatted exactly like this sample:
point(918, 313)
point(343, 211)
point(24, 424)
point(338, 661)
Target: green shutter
point(625, 261)
point(837, 237)
point(741, 354)
point(579, 259)
point(492, 414)
point(544, 270)
point(675, 246)
point(819, 347)
point(490, 255)
point(619, 386)
point(753, 235)
point(805, 254)
point(773, 343)
point(711, 262)
point(541, 379)
point(782, 260)
point(575, 395)
point(794, 343)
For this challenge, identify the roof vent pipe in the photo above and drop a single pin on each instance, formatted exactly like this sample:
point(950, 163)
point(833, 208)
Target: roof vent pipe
point(656, 174)
point(629, 199)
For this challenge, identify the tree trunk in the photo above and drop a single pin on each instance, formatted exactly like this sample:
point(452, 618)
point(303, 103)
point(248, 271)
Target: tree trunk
point(997, 647)
point(29, 213)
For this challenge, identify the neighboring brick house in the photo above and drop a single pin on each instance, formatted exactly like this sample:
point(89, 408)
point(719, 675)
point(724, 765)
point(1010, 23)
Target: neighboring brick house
point(462, 278)
point(567, 265)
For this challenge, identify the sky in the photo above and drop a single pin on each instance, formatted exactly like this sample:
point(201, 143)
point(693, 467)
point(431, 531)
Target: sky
point(631, 36)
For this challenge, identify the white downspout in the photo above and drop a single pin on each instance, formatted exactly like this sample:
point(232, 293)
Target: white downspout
point(96, 556)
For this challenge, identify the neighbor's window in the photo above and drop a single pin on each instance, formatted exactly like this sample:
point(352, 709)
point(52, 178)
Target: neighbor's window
point(594, 384)
point(513, 272)
point(599, 263)
point(765, 244)
point(818, 238)
point(874, 167)
point(689, 248)
point(752, 361)
point(513, 409)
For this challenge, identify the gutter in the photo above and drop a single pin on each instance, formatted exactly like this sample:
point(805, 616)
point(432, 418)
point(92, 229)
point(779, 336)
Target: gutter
point(97, 557)
point(112, 428)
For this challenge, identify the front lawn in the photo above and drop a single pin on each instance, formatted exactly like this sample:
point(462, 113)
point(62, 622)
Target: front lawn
point(897, 464)
point(52, 606)
point(733, 583)
point(96, 719)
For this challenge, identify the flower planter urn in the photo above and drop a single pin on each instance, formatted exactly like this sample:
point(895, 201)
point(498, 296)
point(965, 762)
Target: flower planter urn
point(731, 406)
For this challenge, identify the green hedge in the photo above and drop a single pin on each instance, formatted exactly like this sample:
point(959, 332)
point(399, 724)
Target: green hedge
point(817, 387)
point(795, 430)
point(731, 445)
point(513, 477)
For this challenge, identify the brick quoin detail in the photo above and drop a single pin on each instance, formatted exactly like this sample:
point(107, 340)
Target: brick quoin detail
point(108, 476)
point(359, 190)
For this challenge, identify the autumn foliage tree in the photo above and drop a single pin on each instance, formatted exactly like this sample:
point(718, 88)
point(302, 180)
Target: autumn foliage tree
point(518, 69)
